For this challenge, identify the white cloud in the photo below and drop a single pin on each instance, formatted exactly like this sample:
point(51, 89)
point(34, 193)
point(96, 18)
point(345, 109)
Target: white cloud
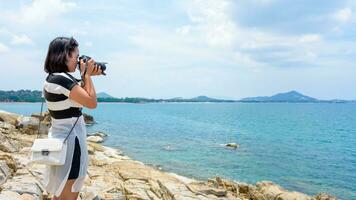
point(15, 38)
point(337, 30)
point(212, 23)
point(201, 42)
point(343, 15)
point(246, 60)
point(311, 55)
point(183, 30)
point(212, 50)
point(213, 20)
point(262, 1)
point(88, 44)
point(4, 31)
point(310, 38)
point(3, 48)
point(21, 39)
point(76, 32)
point(253, 39)
point(40, 11)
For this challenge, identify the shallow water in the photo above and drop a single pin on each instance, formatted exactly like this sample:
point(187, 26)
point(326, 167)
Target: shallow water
point(306, 147)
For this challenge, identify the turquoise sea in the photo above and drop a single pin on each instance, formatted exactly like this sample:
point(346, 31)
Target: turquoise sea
point(307, 147)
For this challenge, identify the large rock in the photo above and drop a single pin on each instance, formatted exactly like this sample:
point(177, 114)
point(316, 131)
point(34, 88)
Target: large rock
point(102, 158)
point(102, 183)
point(95, 146)
point(113, 153)
point(91, 150)
point(29, 125)
point(5, 172)
point(24, 184)
point(46, 118)
point(6, 128)
point(270, 190)
point(31, 130)
point(89, 120)
point(24, 121)
point(7, 145)
point(232, 145)
point(324, 196)
point(96, 139)
point(10, 161)
point(10, 195)
point(136, 189)
point(8, 117)
point(202, 187)
point(99, 133)
point(144, 182)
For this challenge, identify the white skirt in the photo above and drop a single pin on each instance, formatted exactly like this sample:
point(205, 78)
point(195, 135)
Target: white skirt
point(55, 177)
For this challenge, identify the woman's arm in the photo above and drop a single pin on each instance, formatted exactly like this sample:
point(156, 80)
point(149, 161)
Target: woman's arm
point(86, 95)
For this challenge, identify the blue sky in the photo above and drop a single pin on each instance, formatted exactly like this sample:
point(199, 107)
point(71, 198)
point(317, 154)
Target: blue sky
point(164, 49)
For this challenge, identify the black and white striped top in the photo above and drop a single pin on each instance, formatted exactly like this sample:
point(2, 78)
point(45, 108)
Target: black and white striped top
point(56, 93)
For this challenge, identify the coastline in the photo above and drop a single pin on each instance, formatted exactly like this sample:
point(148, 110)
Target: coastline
point(202, 102)
point(113, 175)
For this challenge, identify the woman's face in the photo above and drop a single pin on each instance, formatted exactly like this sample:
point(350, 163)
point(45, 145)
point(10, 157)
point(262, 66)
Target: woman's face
point(72, 60)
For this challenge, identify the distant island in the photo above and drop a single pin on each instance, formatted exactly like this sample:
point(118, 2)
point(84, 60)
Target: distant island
point(291, 97)
point(20, 96)
point(103, 95)
point(288, 97)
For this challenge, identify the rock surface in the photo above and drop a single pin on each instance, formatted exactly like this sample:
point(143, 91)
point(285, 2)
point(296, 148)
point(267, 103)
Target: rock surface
point(112, 175)
point(99, 133)
point(232, 145)
point(96, 139)
point(89, 120)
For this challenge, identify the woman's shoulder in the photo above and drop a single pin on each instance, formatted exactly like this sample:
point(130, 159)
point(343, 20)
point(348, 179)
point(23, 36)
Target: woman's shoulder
point(62, 79)
point(61, 76)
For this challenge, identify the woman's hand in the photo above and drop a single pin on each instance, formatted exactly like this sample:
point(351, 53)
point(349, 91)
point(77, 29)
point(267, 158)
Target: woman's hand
point(96, 71)
point(91, 69)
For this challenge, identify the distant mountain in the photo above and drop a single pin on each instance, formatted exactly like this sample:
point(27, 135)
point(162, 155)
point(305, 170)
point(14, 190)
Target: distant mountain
point(292, 96)
point(35, 96)
point(176, 99)
point(204, 99)
point(196, 99)
point(103, 95)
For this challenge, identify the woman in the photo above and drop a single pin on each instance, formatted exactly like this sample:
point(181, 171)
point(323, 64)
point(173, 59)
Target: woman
point(65, 96)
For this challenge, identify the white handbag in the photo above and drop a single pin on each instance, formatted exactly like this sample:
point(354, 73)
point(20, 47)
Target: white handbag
point(49, 151)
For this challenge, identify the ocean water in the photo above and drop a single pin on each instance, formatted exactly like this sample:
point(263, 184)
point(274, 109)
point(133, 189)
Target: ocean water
point(305, 147)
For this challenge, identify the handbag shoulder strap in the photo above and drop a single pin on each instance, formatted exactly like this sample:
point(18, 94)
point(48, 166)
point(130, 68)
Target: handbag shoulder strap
point(71, 130)
point(40, 120)
point(75, 81)
point(40, 117)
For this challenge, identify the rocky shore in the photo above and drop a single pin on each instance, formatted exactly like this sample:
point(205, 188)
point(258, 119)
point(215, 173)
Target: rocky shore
point(112, 175)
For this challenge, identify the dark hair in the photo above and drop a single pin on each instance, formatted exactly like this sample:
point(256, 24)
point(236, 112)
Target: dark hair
point(58, 50)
